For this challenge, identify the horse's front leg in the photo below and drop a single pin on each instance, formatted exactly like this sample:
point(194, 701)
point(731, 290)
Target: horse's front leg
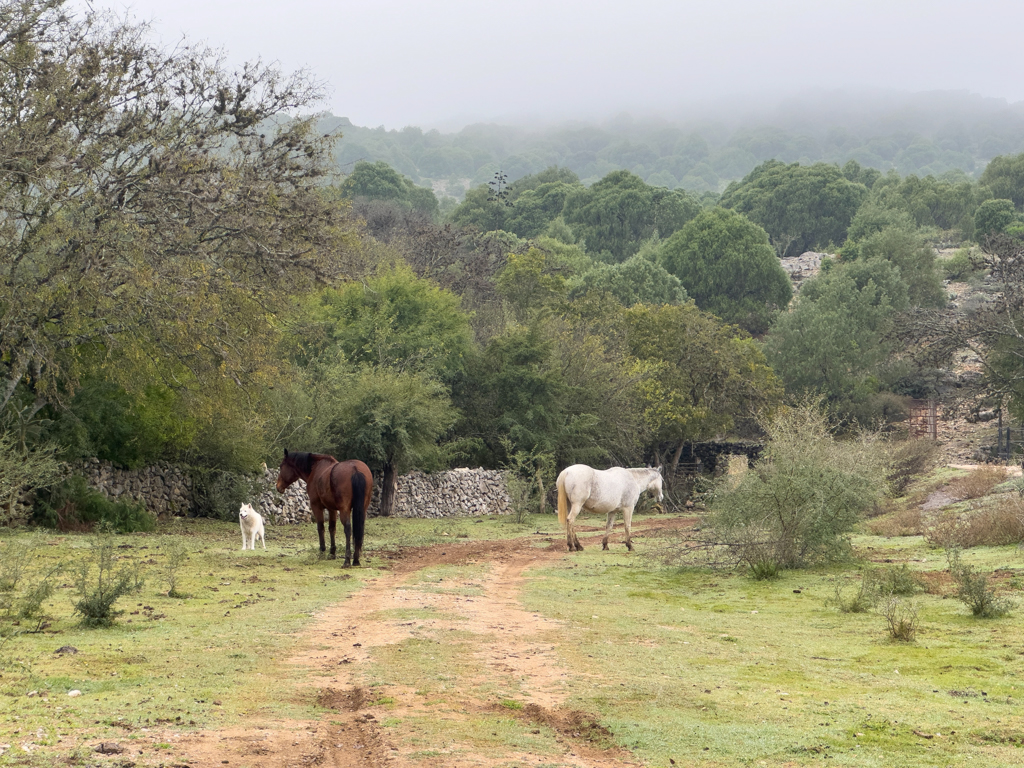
point(347, 525)
point(608, 529)
point(333, 526)
point(627, 520)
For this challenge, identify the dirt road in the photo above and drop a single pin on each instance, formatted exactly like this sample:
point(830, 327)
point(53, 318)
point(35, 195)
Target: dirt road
point(509, 646)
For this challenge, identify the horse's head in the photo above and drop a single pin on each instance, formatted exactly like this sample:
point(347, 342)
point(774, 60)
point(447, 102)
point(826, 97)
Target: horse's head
point(287, 474)
point(655, 484)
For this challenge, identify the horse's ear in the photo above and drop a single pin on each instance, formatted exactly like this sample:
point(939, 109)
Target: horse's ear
point(286, 453)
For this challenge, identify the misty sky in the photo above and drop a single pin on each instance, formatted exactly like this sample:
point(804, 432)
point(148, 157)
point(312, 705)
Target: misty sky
point(446, 63)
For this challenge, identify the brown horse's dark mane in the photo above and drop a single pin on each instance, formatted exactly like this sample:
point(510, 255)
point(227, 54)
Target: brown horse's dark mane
point(304, 462)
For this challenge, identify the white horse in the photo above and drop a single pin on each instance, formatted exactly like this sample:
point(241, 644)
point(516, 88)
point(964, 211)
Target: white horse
point(603, 491)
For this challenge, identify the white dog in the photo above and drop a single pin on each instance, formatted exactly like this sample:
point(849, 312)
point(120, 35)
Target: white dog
point(252, 526)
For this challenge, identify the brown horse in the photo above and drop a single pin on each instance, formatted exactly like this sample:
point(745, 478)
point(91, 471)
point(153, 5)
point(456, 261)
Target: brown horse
point(344, 488)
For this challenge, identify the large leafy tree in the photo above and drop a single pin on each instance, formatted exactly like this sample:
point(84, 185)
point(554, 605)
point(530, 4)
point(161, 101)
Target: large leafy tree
point(391, 320)
point(799, 206)
point(635, 281)
point(1004, 176)
point(835, 341)
point(618, 213)
point(726, 265)
point(151, 203)
point(379, 181)
point(698, 378)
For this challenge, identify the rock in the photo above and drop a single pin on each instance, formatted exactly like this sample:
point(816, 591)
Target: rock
point(109, 748)
point(74, 693)
point(66, 649)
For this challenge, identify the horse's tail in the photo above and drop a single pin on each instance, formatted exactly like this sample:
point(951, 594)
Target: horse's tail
point(358, 508)
point(563, 502)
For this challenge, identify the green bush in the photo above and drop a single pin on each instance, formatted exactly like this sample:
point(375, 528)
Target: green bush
point(802, 497)
point(72, 505)
point(101, 583)
point(973, 591)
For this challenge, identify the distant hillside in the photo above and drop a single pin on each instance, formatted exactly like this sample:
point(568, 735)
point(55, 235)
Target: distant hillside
point(925, 134)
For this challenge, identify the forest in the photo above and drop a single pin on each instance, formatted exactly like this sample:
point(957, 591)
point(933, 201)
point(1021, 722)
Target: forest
point(188, 277)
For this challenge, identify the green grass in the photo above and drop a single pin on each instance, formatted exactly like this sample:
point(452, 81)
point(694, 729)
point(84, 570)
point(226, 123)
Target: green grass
point(737, 671)
point(706, 668)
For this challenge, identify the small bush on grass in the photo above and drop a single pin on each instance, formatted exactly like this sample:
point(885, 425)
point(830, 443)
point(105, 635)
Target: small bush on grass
point(973, 591)
point(876, 584)
point(861, 601)
point(897, 580)
point(524, 477)
point(175, 554)
point(900, 619)
point(24, 589)
point(802, 497)
point(74, 506)
point(102, 582)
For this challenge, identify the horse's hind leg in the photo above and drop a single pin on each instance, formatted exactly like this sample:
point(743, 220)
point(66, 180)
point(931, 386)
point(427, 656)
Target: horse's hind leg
point(333, 525)
point(608, 529)
point(347, 525)
point(571, 539)
point(318, 515)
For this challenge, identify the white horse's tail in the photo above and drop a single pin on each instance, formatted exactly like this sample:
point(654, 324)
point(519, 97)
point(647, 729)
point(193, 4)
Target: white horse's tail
point(563, 503)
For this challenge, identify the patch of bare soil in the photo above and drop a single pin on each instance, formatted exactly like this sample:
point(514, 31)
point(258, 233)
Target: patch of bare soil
point(509, 643)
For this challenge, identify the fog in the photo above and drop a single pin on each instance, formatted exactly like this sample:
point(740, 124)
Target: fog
point(451, 62)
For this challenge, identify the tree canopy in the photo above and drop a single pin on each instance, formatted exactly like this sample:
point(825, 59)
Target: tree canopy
point(150, 204)
point(726, 265)
point(800, 206)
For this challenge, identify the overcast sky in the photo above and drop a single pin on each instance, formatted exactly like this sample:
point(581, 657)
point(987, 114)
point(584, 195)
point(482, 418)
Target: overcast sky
point(445, 63)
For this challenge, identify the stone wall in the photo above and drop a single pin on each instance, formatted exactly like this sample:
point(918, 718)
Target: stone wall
point(166, 489)
point(458, 493)
point(163, 488)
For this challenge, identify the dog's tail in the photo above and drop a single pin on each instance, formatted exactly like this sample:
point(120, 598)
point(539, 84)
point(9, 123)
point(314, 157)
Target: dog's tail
point(358, 508)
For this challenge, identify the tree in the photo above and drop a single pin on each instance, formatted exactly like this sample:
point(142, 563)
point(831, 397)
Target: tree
point(1004, 176)
point(391, 419)
point(915, 259)
point(619, 212)
point(635, 281)
point(698, 378)
point(392, 320)
point(991, 331)
point(993, 217)
point(834, 341)
point(800, 207)
point(149, 202)
point(726, 265)
point(379, 181)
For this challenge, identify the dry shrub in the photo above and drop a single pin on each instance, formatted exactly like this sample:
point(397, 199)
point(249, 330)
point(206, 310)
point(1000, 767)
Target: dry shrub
point(904, 522)
point(910, 459)
point(991, 525)
point(900, 619)
point(978, 482)
point(935, 582)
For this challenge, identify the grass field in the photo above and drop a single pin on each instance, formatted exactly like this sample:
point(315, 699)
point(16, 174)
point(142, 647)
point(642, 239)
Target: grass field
point(710, 669)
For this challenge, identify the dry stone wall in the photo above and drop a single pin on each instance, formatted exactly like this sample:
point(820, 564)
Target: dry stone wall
point(166, 489)
point(457, 493)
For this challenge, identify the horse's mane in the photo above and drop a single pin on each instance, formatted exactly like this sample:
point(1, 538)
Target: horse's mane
point(304, 461)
